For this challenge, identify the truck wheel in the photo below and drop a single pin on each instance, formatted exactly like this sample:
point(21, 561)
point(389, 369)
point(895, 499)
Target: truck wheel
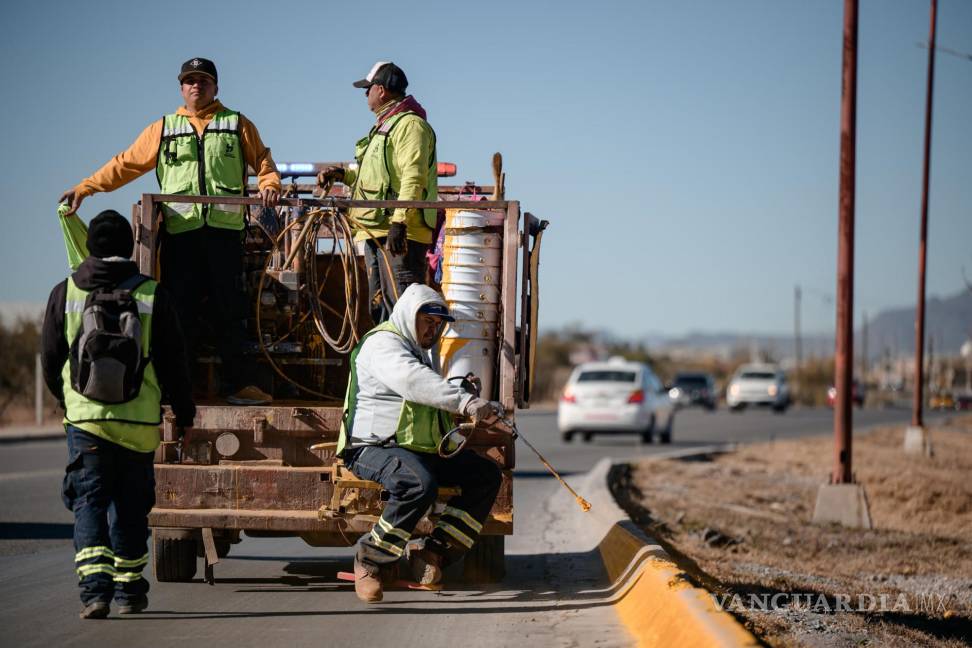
point(173, 559)
point(222, 548)
point(486, 561)
point(567, 436)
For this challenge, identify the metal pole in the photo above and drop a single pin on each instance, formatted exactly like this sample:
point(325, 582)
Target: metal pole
point(845, 253)
point(38, 391)
point(917, 406)
point(798, 343)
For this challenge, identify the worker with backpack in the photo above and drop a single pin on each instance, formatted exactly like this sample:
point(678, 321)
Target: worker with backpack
point(111, 346)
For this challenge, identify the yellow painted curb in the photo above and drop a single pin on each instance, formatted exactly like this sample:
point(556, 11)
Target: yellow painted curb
point(657, 605)
point(652, 597)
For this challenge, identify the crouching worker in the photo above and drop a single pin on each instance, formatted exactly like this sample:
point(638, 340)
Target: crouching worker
point(397, 409)
point(111, 342)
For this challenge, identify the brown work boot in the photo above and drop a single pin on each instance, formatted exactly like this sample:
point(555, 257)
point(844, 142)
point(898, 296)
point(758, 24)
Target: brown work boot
point(426, 564)
point(367, 582)
point(250, 395)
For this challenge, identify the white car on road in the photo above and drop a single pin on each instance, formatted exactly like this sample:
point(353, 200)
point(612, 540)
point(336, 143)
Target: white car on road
point(613, 397)
point(758, 385)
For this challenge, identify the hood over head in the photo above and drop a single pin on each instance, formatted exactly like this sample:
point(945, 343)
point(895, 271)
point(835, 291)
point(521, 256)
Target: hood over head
point(407, 307)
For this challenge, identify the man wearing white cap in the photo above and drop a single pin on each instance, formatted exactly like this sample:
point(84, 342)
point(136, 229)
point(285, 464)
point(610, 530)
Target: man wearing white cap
point(396, 161)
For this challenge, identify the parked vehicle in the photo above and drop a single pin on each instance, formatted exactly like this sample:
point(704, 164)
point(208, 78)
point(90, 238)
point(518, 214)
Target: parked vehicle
point(615, 397)
point(759, 385)
point(857, 394)
point(941, 401)
point(693, 389)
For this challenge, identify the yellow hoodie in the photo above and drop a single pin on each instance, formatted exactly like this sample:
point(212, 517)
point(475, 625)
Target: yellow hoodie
point(141, 157)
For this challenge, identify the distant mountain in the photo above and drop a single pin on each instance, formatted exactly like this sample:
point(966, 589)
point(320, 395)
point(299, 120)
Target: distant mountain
point(948, 323)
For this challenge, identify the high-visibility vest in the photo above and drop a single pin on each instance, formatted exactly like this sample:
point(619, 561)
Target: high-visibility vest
point(420, 427)
point(222, 172)
point(373, 181)
point(134, 424)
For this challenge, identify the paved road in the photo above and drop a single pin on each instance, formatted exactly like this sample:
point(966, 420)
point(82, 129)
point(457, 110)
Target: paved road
point(282, 592)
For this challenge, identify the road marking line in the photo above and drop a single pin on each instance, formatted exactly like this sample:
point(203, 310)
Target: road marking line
point(31, 474)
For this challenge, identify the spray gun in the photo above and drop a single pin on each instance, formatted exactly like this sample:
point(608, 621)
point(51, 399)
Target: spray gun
point(464, 430)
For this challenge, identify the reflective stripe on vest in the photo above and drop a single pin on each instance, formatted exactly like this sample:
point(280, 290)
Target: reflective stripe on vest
point(222, 173)
point(144, 409)
point(373, 181)
point(420, 427)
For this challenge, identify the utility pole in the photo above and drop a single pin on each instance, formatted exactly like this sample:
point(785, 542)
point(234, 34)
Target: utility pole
point(842, 500)
point(844, 354)
point(915, 434)
point(798, 343)
point(864, 358)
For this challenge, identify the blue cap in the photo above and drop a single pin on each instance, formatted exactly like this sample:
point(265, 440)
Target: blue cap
point(437, 310)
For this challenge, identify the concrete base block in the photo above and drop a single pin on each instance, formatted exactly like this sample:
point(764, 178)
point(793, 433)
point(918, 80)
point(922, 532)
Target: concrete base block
point(917, 441)
point(845, 504)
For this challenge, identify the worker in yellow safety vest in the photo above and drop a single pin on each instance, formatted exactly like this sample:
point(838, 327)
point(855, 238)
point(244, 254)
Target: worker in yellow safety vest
point(396, 160)
point(111, 342)
point(396, 411)
point(203, 148)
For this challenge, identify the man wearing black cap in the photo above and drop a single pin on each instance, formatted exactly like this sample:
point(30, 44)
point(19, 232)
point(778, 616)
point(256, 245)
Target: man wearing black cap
point(396, 161)
point(201, 149)
point(109, 330)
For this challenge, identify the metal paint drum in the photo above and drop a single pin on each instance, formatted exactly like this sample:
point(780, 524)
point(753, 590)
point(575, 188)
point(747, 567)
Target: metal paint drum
point(471, 293)
point(459, 356)
point(453, 256)
point(474, 240)
point(470, 311)
point(456, 218)
point(479, 275)
point(471, 330)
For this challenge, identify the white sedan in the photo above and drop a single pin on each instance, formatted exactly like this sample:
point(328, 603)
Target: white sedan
point(758, 385)
point(615, 397)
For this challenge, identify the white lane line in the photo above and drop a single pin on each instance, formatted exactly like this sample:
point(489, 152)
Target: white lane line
point(31, 474)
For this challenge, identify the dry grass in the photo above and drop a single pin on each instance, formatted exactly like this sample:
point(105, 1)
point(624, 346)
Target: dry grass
point(744, 519)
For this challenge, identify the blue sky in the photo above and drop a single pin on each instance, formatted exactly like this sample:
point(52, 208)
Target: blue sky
point(686, 153)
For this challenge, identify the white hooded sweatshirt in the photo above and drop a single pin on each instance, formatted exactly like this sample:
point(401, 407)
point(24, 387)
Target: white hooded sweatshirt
point(393, 368)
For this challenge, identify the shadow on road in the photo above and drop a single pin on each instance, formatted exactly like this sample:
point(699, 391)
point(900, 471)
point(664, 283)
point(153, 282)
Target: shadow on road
point(36, 531)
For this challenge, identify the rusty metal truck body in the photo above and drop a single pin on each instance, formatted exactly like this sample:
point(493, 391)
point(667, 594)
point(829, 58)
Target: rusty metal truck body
point(272, 470)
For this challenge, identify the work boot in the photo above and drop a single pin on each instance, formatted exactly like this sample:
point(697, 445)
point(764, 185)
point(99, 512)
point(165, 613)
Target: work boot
point(95, 610)
point(367, 582)
point(250, 395)
point(426, 564)
point(134, 606)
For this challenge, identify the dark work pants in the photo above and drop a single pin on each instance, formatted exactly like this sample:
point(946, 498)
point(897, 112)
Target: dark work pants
point(111, 490)
point(209, 262)
point(384, 289)
point(412, 480)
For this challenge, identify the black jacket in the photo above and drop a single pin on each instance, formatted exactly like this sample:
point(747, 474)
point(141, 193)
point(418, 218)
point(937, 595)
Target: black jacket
point(168, 352)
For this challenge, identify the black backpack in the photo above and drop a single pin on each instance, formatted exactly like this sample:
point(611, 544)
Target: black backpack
point(106, 357)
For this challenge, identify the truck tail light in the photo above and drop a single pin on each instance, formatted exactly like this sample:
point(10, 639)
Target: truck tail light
point(637, 396)
point(445, 169)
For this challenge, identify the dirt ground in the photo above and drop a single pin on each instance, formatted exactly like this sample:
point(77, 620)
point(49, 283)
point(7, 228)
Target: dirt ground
point(739, 524)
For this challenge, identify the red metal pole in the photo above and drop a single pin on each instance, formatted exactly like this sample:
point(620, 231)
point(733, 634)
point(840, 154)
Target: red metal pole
point(844, 364)
point(917, 407)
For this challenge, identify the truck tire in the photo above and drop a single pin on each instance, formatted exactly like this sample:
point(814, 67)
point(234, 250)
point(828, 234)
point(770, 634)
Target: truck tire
point(173, 559)
point(486, 561)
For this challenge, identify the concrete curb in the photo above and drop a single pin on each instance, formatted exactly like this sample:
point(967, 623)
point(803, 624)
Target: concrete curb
point(21, 434)
point(655, 601)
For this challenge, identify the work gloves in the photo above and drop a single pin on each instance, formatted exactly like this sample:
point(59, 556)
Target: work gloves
point(397, 241)
point(483, 412)
point(330, 173)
